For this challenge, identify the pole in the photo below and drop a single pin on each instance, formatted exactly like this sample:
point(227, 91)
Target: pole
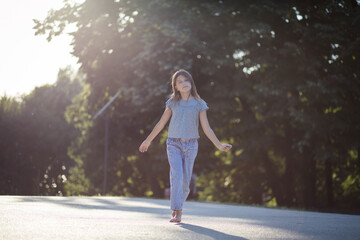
point(106, 151)
point(106, 135)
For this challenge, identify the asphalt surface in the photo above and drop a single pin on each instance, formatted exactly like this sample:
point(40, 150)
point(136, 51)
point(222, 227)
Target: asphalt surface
point(65, 218)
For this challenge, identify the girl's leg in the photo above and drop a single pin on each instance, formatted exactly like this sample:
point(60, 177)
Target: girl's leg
point(174, 153)
point(191, 149)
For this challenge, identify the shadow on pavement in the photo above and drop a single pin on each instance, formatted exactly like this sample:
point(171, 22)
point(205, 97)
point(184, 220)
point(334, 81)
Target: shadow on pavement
point(209, 232)
point(103, 203)
point(303, 223)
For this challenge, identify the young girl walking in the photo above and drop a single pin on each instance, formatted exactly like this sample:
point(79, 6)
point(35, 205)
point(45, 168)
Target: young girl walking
point(185, 107)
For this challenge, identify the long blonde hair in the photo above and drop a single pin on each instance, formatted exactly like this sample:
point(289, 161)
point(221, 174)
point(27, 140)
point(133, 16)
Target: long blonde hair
point(175, 93)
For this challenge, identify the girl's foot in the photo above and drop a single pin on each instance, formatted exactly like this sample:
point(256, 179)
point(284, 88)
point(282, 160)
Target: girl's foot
point(176, 216)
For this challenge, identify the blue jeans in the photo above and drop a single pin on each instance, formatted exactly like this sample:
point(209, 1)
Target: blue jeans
point(181, 155)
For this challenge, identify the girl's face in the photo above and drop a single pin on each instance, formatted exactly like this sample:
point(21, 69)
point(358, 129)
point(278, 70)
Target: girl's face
point(182, 84)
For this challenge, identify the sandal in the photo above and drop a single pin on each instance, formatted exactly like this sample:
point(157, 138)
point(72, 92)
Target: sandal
point(176, 216)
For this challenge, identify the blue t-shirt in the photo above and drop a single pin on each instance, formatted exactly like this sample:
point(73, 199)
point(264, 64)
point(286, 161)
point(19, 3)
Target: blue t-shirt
point(184, 121)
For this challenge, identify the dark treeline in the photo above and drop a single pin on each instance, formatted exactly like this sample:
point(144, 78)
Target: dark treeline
point(281, 79)
point(34, 137)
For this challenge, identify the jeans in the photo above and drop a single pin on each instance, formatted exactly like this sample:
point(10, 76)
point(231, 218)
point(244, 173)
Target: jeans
point(181, 155)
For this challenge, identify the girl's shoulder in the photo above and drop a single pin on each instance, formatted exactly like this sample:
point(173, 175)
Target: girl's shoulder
point(200, 100)
point(202, 104)
point(170, 100)
point(170, 103)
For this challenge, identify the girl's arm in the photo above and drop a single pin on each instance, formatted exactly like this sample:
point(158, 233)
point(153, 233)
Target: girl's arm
point(210, 133)
point(157, 129)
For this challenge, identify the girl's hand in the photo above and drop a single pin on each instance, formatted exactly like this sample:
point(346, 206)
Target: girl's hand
point(144, 146)
point(225, 147)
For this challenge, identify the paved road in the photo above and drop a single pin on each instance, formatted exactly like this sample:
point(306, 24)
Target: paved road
point(67, 218)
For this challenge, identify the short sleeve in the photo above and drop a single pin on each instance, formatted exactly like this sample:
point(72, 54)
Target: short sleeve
point(203, 105)
point(170, 103)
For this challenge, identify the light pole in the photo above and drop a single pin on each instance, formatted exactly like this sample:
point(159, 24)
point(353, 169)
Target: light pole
point(99, 113)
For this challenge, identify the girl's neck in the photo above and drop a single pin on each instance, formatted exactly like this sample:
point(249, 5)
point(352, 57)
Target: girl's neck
point(186, 96)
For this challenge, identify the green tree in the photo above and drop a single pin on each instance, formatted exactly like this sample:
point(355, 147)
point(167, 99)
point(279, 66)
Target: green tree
point(281, 80)
point(10, 155)
point(36, 137)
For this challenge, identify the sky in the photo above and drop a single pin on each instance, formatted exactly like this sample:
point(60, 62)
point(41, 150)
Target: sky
point(28, 61)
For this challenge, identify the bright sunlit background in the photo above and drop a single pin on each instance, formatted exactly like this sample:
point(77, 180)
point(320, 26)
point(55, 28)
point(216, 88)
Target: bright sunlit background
point(27, 60)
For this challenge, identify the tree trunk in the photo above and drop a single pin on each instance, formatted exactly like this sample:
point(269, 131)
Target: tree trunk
point(329, 183)
point(37, 182)
point(273, 180)
point(288, 182)
point(288, 178)
point(358, 154)
point(309, 179)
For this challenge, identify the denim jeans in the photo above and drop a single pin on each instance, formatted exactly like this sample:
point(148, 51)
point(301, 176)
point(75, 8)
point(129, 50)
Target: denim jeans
point(181, 156)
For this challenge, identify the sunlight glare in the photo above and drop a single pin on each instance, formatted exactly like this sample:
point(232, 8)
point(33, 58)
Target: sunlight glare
point(28, 60)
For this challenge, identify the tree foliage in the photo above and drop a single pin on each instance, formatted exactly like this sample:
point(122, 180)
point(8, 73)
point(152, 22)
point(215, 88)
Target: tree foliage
point(281, 79)
point(35, 137)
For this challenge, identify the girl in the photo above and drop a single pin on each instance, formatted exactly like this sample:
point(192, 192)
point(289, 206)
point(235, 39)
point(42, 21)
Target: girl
point(185, 107)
